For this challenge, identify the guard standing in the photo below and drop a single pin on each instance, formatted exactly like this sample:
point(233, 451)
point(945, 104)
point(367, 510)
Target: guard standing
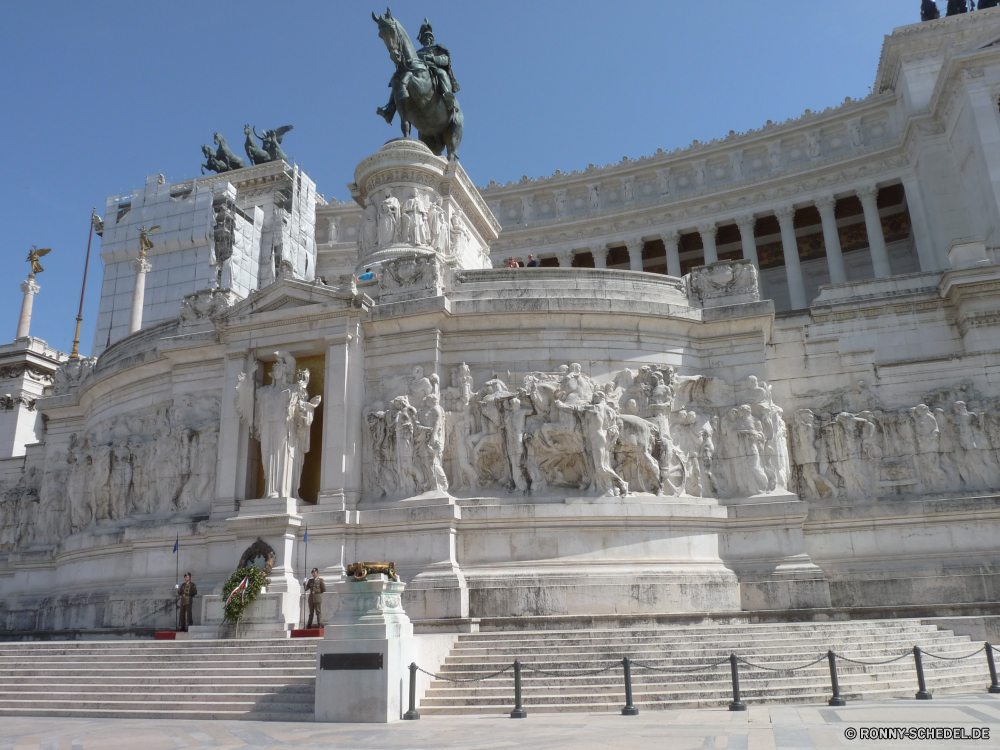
point(186, 592)
point(316, 587)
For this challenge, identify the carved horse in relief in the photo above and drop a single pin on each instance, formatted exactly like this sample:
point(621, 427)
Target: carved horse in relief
point(415, 96)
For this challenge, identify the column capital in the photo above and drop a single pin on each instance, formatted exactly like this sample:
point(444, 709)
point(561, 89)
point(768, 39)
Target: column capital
point(142, 265)
point(670, 235)
point(28, 286)
point(784, 213)
point(709, 228)
point(825, 202)
point(565, 257)
point(746, 222)
point(601, 249)
point(867, 193)
point(634, 244)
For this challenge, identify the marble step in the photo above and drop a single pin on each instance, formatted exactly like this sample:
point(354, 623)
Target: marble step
point(144, 710)
point(763, 629)
point(38, 699)
point(14, 690)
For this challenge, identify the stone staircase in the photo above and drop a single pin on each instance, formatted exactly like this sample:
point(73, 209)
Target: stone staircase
point(217, 679)
point(565, 655)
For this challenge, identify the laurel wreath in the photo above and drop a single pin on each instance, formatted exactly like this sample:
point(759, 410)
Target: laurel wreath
point(256, 579)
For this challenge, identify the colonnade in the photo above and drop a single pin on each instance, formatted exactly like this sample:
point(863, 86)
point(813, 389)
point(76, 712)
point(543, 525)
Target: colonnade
point(785, 214)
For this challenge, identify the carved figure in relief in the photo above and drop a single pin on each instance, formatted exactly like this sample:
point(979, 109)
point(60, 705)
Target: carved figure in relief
point(438, 227)
point(807, 455)
point(404, 428)
point(855, 134)
point(743, 441)
point(600, 425)
point(594, 192)
point(415, 220)
point(560, 204)
point(927, 437)
point(699, 173)
point(277, 414)
point(369, 226)
point(388, 219)
point(813, 147)
point(628, 189)
point(975, 465)
point(458, 235)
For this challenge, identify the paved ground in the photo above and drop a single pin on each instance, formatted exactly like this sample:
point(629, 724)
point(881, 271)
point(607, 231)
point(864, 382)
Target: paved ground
point(760, 727)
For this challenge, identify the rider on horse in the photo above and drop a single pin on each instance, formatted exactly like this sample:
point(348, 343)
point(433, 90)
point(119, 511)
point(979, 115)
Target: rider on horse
point(437, 59)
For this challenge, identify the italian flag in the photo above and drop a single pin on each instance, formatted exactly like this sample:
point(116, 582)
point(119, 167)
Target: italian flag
point(241, 590)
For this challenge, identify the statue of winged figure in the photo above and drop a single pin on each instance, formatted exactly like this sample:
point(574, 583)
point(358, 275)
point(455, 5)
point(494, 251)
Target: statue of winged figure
point(33, 255)
point(144, 242)
point(271, 141)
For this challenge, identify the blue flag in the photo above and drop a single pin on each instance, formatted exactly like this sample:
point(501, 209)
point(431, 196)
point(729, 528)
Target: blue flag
point(177, 542)
point(305, 537)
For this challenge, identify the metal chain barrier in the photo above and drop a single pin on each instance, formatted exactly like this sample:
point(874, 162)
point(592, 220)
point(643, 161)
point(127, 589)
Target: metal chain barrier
point(953, 658)
point(875, 663)
point(781, 669)
point(469, 679)
point(684, 670)
point(582, 674)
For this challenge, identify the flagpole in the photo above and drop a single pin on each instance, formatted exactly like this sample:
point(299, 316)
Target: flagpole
point(177, 580)
point(75, 353)
point(305, 541)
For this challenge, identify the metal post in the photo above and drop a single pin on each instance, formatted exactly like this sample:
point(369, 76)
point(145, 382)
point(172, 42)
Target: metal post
point(922, 694)
point(412, 713)
point(836, 699)
point(737, 704)
point(994, 685)
point(518, 712)
point(629, 709)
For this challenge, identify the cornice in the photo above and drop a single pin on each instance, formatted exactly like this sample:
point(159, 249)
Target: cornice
point(695, 208)
point(715, 148)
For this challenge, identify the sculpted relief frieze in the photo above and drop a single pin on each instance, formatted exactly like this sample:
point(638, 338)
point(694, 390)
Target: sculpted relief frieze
point(133, 465)
point(646, 431)
point(851, 446)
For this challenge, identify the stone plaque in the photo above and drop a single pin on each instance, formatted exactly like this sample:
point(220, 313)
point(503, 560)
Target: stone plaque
point(350, 661)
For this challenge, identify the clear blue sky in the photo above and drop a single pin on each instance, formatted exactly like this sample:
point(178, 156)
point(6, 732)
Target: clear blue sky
point(97, 95)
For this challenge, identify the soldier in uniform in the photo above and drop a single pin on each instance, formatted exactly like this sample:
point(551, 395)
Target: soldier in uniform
point(186, 592)
point(438, 62)
point(316, 587)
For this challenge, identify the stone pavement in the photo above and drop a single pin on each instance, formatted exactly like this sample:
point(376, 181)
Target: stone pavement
point(762, 727)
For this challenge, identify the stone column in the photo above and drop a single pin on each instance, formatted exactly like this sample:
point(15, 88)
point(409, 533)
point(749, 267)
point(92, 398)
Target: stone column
point(565, 258)
point(746, 223)
point(600, 253)
point(634, 247)
point(790, 248)
point(142, 267)
point(920, 225)
point(708, 232)
point(671, 238)
point(873, 223)
point(825, 204)
point(343, 405)
point(30, 289)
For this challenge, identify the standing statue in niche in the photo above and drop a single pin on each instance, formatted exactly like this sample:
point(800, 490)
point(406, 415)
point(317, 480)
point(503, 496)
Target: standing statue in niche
point(388, 219)
point(280, 415)
point(423, 88)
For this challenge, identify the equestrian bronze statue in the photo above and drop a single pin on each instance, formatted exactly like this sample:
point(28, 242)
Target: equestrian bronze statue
point(423, 87)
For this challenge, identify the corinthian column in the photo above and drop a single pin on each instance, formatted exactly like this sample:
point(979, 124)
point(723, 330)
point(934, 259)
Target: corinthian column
point(708, 232)
point(634, 247)
point(790, 249)
point(671, 238)
point(831, 238)
point(746, 224)
point(30, 289)
point(142, 267)
point(600, 253)
point(873, 223)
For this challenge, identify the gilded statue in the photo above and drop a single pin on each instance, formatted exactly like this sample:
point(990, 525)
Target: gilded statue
point(33, 255)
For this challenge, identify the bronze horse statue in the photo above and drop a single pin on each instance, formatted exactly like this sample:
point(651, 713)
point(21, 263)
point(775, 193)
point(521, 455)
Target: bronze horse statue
point(415, 94)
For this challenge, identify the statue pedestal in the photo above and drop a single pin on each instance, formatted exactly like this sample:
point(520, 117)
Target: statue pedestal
point(417, 204)
point(361, 667)
point(266, 617)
